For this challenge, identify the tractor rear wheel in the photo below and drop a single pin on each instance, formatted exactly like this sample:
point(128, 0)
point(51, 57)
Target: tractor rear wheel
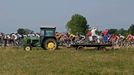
point(50, 44)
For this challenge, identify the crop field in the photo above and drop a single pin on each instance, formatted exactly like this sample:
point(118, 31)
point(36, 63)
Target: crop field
point(66, 61)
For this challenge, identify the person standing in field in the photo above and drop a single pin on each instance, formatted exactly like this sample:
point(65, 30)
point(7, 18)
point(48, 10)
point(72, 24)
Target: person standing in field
point(105, 36)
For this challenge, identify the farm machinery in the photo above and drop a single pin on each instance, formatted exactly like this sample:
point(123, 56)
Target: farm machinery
point(47, 40)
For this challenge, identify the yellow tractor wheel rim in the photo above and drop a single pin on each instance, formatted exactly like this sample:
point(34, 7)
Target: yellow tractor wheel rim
point(27, 48)
point(51, 46)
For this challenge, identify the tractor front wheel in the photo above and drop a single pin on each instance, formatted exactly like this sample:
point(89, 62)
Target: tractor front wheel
point(27, 48)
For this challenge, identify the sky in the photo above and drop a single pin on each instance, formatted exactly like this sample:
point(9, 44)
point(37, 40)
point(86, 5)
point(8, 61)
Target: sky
point(32, 14)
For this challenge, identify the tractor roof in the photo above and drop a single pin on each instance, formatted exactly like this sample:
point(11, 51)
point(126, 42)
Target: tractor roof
point(47, 27)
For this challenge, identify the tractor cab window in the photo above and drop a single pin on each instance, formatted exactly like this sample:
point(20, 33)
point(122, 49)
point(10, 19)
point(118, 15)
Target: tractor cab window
point(49, 32)
point(42, 33)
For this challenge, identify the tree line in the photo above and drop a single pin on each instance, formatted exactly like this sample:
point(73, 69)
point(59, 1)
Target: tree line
point(78, 24)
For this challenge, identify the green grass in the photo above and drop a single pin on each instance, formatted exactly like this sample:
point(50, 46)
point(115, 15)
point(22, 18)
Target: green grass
point(66, 62)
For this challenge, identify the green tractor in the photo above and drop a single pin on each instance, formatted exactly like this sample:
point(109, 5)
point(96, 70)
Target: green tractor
point(47, 40)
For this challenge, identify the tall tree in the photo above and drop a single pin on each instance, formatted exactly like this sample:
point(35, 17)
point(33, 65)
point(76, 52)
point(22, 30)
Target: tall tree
point(131, 29)
point(78, 23)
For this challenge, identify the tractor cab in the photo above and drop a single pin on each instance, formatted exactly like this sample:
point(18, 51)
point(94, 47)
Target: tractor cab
point(47, 32)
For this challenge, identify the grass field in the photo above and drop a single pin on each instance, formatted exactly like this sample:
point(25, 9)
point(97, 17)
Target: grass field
point(15, 61)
